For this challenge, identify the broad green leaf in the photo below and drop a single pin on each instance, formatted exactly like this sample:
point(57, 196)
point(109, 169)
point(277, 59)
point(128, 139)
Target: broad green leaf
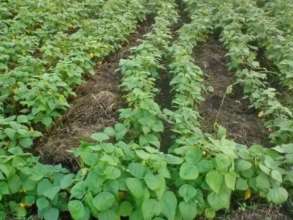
point(150, 208)
point(241, 184)
point(143, 155)
point(137, 214)
point(169, 205)
point(22, 119)
point(26, 142)
point(77, 210)
point(100, 137)
point(270, 162)
point(154, 182)
point(51, 214)
point(42, 204)
point(171, 159)
point(88, 158)
point(78, 190)
point(66, 181)
point(230, 180)
point(264, 169)
point(29, 199)
point(47, 189)
point(108, 214)
point(135, 186)
point(219, 200)
point(187, 192)
point(109, 131)
point(188, 171)
point(262, 181)
point(223, 162)
point(125, 209)
point(14, 184)
point(103, 201)
point(285, 148)
point(10, 133)
point(47, 121)
point(188, 211)
point(215, 180)
point(243, 165)
point(205, 166)
point(6, 169)
point(120, 131)
point(112, 172)
point(277, 175)
point(137, 170)
point(193, 156)
point(278, 195)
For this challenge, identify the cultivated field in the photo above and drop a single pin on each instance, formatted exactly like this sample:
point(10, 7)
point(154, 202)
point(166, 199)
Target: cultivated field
point(146, 109)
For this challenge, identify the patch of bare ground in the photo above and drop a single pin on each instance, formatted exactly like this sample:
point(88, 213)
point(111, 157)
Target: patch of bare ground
point(164, 98)
point(229, 110)
point(94, 108)
point(259, 214)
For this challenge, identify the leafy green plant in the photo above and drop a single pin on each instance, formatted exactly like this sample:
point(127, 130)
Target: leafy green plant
point(25, 182)
point(15, 131)
point(50, 65)
point(122, 172)
point(252, 77)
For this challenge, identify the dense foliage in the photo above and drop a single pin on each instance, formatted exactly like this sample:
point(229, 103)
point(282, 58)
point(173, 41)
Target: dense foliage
point(122, 172)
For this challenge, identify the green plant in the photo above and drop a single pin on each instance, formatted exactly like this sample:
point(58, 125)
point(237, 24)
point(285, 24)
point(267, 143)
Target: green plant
point(122, 171)
point(25, 182)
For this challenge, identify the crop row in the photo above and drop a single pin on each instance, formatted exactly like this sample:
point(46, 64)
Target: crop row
point(27, 183)
point(199, 174)
point(31, 94)
point(123, 173)
point(33, 25)
point(282, 13)
point(253, 77)
point(266, 32)
point(130, 174)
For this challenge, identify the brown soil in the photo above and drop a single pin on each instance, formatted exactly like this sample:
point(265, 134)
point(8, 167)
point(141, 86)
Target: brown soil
point(259, 214)
point(228, 110)
point(94, 108)
point(164, 98)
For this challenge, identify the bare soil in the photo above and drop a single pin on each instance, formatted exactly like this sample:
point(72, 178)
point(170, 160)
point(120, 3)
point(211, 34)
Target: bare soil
point(164, 98)
point(94, 108)
point(228, 110)
point(259, 214)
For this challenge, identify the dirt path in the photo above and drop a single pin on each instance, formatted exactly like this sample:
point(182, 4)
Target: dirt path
point(229, 110)
point(94, 108)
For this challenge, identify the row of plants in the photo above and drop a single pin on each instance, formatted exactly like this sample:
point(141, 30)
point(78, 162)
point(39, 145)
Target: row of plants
point(129, 172)
point(200, 173)
point(27, 185)
point(30, 17)
point(139, 75)
point(217, 168)
point(31, 95)
point(249, 74)
point(265, 30)
point(123, 174)
point(253, 77)
point(31, 25)
point(282, 12)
